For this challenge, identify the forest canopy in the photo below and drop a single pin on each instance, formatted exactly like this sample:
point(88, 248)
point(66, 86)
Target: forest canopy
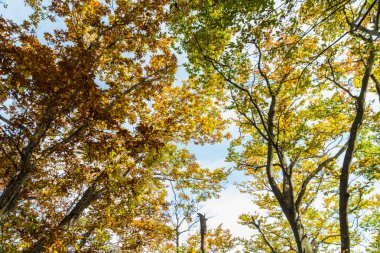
point(96, 125)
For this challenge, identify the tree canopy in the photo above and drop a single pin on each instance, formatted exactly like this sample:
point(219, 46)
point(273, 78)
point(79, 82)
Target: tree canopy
point(95, 128)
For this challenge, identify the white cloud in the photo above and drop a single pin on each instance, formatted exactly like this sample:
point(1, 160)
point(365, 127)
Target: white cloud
point(227, 210)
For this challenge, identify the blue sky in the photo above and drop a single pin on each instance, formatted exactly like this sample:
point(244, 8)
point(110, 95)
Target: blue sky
point(231, 203)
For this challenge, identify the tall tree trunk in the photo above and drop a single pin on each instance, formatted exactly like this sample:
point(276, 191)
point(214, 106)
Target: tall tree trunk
point(89, 196)
point(11, 193)
point(302, 241)
point(285, 198)
point(202, 220)
point(177, 241)
point(345, 170)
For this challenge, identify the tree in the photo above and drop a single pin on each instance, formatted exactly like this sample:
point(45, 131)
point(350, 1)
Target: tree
point(361, 20)
point(90, 121)
point(218, 240)
point(184, 207)
point(188, 189)
point(296, 73)
point(53, 99)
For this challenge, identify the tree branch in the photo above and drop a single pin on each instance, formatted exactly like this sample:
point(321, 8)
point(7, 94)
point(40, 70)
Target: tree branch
point(257, 226)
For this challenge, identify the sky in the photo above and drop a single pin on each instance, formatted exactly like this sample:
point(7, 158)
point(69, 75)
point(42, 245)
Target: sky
point(231, 203)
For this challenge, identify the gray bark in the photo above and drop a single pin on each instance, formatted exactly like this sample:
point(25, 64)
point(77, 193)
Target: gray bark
point(202, 221)
point(89, 196)
point(11, 193)
point(345, 170)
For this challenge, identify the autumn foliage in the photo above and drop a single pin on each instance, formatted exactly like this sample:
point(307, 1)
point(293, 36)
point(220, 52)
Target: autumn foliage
point(95, 125)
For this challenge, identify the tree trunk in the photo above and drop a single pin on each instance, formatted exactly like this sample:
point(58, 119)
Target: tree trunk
point(202, 220)
point(177, 241)
point(303, 243)
point(345, 170)
point(285, 198)
point(89, 196)
point(11, 193)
